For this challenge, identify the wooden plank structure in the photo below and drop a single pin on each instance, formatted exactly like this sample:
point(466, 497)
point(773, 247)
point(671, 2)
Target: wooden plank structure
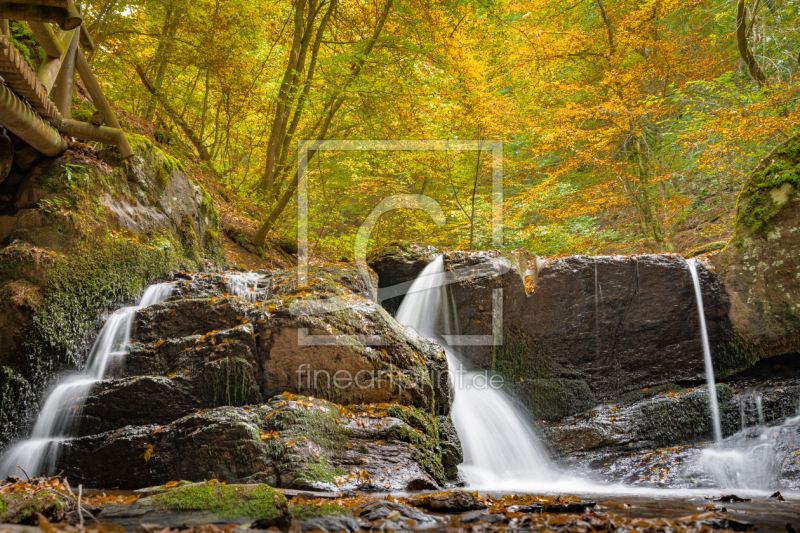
point(26, 108)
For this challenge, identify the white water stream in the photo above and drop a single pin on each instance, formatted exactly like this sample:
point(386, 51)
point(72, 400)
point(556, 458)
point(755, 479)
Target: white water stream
point(500, 449)
point(61, 411)
point(712, 386)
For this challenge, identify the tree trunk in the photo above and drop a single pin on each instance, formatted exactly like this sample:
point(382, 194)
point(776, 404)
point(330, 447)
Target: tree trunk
point(744, 48)
point(472, 209)
point(167, 35)
point(320, 130)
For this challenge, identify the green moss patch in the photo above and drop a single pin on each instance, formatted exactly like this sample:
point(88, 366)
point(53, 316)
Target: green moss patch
point(98, 274)
point(21, 508)
point(259, 503)
point(17, 404)
point(705, 248)
point(770, 187)
point(554, 398)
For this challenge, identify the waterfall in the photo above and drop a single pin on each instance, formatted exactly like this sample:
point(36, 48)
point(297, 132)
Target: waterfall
point(712, 387)
point(500, 450)
point(243, 285)
point(61, 412)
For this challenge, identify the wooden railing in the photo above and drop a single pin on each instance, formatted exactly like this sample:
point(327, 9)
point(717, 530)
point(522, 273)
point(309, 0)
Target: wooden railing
point(26, 107)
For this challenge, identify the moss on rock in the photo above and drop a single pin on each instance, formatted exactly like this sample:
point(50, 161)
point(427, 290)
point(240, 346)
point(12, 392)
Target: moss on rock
point(554, 398)
point(259, 503)
point(17, 404)
point(770, 187)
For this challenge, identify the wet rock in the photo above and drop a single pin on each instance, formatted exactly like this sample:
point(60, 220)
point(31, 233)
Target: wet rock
point(627, 324)
point(535, 507)
point(452, 453)
point(18, 406)
point(472, 517)
point(727, 523)
point(315, 338)
point(387, 510)
point(452, 501)
point(568, 506)
point(222, 443)
point(333, 524)
point(580, 330)
point(672, 417)
point(182, 318)
point(290, 442)
point(398, 263)
point(764, 457)
point(730, 498)
point(760, 265)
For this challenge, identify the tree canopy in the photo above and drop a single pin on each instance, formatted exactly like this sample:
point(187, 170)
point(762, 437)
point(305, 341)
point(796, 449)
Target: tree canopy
point(626, 125)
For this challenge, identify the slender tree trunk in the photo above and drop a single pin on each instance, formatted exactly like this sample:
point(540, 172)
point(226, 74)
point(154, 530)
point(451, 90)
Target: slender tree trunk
point(655, 225)
point(334, 104)
point(744, 47)
point(167, 35)
point(472, 208)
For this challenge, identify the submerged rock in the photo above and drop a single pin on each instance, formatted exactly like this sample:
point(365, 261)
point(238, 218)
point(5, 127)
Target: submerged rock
point(383, 509)
point(452, 501)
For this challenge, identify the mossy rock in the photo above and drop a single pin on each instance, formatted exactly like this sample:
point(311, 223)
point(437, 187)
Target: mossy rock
point(770, 187)
point(554, 398)
point(705, 248)
point(259, 502)
point(22, 508)
point(309, 511)
point(17, 404)
point(760, 267)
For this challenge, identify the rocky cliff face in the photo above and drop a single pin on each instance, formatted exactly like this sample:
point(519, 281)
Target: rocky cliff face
point(80, 235)
point(579, 330)
point(268, 379)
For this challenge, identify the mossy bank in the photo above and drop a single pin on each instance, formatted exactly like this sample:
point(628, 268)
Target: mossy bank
point(87, 234)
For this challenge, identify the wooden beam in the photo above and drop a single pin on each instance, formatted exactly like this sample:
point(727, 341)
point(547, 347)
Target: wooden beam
point(67, 17)
point(99, 100)
point(86, 40)
point(22, 80)
point(52, 3)
point(51, 66)
point(25, 123)
point(66, 79)
point(47, 38)
point(3, 27)
point(103, 134)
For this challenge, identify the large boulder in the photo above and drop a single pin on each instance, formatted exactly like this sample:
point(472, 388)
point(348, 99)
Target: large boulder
point(617, 324)
point(188, 401)
point(760, 266)
point(574, 331)
point(292, 441)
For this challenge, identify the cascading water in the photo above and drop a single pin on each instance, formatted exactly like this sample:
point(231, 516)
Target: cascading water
point(500, 449)
point(61, 411)
point(243, 285)
point(712, 387)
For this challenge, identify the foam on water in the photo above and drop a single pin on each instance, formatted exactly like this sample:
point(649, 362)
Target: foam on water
point(61, 411)
point(500, 450)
